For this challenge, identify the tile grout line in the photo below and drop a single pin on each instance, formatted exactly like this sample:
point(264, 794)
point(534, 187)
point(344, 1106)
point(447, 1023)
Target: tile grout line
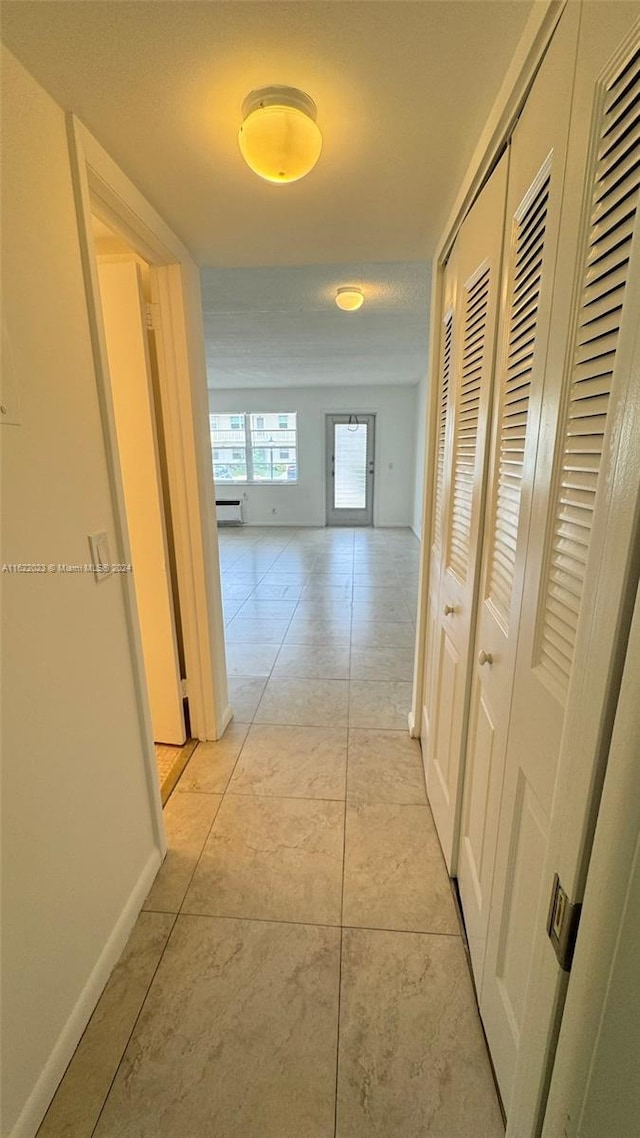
point(308, 924)
point(264, 690)
point(134, 1025)
point(344, 866)
point(353, 573)
point(309, 797)
point(337, 727)
point(213, 822)
point(344, 830)
point(199, 857)
point(339, 1011)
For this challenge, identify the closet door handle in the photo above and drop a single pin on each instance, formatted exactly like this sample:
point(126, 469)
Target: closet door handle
point(485, 657)
point(449, 609)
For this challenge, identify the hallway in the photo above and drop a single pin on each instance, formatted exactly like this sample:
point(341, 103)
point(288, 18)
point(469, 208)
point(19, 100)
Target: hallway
point(298, 969)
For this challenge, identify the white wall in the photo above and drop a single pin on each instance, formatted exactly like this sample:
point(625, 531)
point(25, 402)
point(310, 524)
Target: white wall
point(303, 503)
point(77, 829)
point(421, 438)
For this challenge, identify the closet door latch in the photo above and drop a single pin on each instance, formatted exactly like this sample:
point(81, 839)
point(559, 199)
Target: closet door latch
point(562, 924)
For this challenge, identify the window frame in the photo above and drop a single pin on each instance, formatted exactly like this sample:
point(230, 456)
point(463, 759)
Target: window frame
point(249, 447)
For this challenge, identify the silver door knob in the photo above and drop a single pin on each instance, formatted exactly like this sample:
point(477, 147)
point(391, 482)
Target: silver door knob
point(485, 657)
point(449, 609)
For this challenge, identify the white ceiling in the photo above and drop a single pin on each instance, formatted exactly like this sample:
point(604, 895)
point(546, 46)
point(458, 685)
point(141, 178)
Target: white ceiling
point(277, 327)
point(402, 89)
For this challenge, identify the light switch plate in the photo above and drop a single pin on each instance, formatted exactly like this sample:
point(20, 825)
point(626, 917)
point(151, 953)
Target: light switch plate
point(100, 555)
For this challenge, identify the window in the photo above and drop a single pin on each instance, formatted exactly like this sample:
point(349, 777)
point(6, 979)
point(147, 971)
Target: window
point(255, 447)
point(229, 446)
point(273, 448)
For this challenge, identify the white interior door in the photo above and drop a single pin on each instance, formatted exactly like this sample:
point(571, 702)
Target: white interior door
point(556, 656)
point(595, 1089)
point(350, 469)
point(474, 286)
point(536, 180)
point(123, 314)
point(440, 498)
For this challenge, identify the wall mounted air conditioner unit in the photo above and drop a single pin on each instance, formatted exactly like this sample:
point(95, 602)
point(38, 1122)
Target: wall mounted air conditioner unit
point(229, 512)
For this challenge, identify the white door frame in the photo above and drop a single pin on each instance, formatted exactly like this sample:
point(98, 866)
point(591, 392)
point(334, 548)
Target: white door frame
point(101, 188)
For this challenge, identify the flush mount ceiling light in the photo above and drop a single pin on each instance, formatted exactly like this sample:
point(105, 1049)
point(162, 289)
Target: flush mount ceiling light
point(279, 137)
point(349, 299)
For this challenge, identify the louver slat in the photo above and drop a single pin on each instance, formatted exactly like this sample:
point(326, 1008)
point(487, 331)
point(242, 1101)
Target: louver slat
point(615, 194)
point(525, 276)
point(443, 407)
point(622, 106)
point(466, 430)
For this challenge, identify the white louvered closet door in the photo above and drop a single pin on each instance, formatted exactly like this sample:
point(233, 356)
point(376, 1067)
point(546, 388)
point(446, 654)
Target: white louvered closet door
point(444, 418)
point(466, 367)
point(536, 179)
point(555, 659)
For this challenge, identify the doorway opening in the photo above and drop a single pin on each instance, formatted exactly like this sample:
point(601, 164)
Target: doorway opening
point(130, 339)
point(350, 459)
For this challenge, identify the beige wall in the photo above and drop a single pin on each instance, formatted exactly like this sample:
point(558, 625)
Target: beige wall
point(77, 829)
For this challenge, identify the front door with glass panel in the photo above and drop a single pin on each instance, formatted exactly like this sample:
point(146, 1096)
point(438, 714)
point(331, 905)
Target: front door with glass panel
point(350, 451)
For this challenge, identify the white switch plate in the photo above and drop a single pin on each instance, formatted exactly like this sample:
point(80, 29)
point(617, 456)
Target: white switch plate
point(100, 555)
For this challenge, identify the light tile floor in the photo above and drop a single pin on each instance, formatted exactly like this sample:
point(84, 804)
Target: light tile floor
point(298, 969)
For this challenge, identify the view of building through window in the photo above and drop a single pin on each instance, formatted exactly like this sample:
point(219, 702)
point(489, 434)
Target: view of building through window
point(254, 447)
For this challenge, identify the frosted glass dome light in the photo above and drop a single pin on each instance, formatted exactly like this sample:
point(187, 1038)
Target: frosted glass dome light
point(279, 138)
point(349, 299)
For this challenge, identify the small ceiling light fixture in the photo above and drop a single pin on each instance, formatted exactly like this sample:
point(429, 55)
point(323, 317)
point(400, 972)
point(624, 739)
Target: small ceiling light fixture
point(349, 299)
point(279, 138)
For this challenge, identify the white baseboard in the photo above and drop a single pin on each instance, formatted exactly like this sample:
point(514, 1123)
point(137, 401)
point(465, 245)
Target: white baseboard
point(417, 533)
point(281, 523)
point(425, 720)
point(37, 1104)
